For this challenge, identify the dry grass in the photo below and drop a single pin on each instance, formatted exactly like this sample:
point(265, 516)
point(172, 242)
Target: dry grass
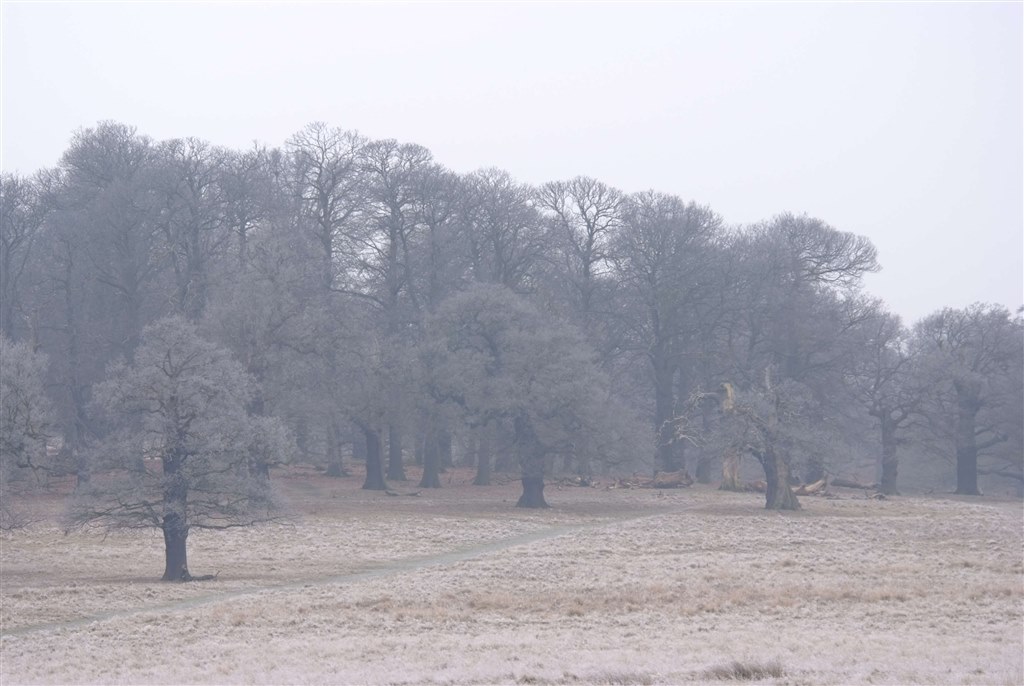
point(745, 671)
point(458, 587)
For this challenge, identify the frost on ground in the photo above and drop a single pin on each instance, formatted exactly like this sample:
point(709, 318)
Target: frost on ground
point(608, 587)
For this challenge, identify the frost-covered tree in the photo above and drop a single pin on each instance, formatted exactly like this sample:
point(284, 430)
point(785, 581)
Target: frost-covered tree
point(500, 359)
point(25, 412)
point(665, 262)
point(181, 444)
point(772, 422)
point(21, 218)
point(972, 360)
point(26, 419)
point(883, 381)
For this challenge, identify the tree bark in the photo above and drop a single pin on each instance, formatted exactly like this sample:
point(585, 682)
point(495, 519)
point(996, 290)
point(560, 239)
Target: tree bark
point(175, 520)
point(175, 551)
point(779, 496)
point(335, 465)
point(374, 462)
point(531, 461)
point(444, 450)
point(483, 458)
point(666, 459)
point(396, 469)
point(431, 461)
point(731, 472)
point(533, 493)
point(890, 461)
point(966, 448)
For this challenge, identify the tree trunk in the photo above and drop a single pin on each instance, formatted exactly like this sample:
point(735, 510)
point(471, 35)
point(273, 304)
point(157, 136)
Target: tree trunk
point(779, 496)
point(483, 458)
point(175, 520)
point(967, 449)
point(531, 461)
point(431, 461)
point(175, 552)
point(396, 469)
point(335, 465)
point(666, 459)
point(374, 462)
point(444, 450)
point(731, 472)
point(533, 493)
point(890, 461)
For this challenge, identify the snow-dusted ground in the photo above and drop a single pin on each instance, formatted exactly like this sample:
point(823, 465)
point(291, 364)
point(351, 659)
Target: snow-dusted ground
point(608, 587)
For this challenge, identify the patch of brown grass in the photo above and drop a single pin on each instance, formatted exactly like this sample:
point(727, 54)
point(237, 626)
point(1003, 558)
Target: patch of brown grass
point(745, 671)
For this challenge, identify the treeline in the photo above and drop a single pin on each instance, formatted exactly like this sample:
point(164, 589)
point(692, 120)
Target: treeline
point(355, 299)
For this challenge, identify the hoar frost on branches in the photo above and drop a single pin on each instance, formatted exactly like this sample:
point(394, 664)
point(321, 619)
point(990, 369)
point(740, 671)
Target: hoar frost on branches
point(182, 447)
point(499, 359)
point(25, 419)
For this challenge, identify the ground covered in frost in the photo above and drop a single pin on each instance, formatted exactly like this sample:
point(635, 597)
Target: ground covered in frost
point(458, 587)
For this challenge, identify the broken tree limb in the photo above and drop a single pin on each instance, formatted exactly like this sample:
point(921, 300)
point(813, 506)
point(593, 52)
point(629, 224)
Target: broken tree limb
point(678, 479)
point(816, 488)
point(848, 483)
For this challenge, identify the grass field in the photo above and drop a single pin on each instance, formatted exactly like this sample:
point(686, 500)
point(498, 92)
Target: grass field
point(456, 586)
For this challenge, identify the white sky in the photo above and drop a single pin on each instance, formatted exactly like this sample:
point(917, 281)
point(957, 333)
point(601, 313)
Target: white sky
point(902, 122)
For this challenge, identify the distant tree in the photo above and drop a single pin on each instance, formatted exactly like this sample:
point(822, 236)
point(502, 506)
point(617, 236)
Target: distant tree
point(26, 421)
point(105, 199)
point(884, 381)
point(585, 214)
point(502, 229)
point(797, 300)
point(181, 403)
point(21, 218)
point(326, 181)
point(971, 359)
point(499, 359)
point(664, 262)
point(771, 421)
point(192, 217)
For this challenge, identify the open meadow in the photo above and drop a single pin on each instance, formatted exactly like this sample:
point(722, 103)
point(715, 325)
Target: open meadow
point(457, 586)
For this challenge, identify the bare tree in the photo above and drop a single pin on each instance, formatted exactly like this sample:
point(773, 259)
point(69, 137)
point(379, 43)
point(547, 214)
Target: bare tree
point(328, 185)
point(192, 217)
point(663, 258)
point(884, 381)
point(26, 423)
point(181, 404)
point(21, 218)
point(586, 215)
point(972, 359)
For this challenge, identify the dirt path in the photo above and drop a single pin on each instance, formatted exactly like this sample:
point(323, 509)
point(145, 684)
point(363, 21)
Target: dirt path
point(377, 571)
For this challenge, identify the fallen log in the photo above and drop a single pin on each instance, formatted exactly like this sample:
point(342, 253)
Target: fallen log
point(581, 481)
point(678, 479)
point(849, 483)
point(816, 488)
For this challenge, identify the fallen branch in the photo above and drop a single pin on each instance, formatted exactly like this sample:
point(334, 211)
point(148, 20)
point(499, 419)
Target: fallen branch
point(817, 488)
point(680, 479)
point(848, 483)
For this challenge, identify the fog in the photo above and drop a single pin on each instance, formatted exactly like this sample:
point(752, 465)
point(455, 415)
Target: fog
point(900, 122)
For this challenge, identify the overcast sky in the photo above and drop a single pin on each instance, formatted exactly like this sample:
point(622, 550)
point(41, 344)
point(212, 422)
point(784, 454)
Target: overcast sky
point(901, 122)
